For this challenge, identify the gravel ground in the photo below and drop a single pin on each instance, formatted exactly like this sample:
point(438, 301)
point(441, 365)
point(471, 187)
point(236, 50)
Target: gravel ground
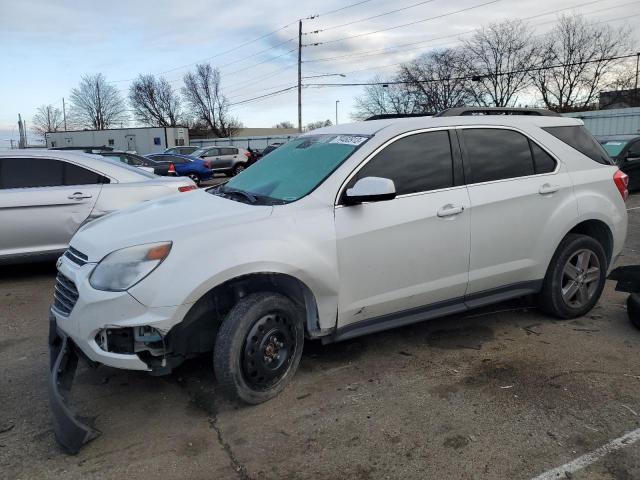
point(499, 393)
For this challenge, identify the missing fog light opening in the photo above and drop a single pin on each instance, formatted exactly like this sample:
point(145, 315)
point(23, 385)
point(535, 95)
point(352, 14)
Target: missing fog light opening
point(132, 341)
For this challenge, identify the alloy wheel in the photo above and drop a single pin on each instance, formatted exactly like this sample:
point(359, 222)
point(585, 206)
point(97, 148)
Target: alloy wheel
point(580, 278)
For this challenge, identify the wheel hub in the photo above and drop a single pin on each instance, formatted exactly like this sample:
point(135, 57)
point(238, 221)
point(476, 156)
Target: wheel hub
point(580, 278)
point(269, 347)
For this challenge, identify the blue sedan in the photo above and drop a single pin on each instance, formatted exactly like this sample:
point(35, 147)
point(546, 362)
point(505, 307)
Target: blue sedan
point(183, 165)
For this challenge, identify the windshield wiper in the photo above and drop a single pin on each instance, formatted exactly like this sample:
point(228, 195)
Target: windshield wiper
point(252, 199)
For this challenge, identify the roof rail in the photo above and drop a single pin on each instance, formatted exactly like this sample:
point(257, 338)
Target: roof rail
point(464, 111)
point(87, 149)
point(384, 116)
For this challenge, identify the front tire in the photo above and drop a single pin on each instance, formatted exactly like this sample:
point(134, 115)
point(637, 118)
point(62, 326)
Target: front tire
point(258, 347)
point(195, 178)
point(239, 168)
point(575, 277)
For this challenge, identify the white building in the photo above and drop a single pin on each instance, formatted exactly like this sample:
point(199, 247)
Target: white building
point(142, 140)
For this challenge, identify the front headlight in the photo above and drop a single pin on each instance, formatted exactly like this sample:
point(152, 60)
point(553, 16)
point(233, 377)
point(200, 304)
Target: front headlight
point(122, 269)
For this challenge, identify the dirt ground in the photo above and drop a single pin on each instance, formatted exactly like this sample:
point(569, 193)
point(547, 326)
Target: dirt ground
point(500, 393)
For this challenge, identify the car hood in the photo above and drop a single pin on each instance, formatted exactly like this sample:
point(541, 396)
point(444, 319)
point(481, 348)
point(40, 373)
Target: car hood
point(171, 218)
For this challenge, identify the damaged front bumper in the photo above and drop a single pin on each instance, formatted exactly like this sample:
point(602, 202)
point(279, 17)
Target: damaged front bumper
point(71, 433)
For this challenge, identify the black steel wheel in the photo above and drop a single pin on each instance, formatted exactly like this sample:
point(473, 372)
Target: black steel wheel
point(258, 347)
point(268, 350)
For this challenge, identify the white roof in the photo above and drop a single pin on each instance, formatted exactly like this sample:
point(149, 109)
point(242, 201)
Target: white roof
point(371, 127)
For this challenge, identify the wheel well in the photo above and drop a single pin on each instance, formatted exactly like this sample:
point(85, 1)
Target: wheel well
point(599, 231)
point(197, 332)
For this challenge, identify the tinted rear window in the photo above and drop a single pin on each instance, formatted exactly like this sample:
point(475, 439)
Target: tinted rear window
point(578, 137)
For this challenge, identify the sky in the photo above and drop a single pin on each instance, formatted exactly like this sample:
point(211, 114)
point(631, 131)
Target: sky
point(48, 45)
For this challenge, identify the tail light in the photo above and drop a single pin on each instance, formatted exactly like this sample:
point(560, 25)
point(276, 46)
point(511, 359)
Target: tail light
point(187, 188)
point(207, 164)
point(247, 154)
point(172, 169)
point(622, 183)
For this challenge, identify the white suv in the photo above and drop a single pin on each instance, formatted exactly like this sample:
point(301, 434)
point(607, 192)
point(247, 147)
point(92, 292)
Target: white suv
point(344, 231)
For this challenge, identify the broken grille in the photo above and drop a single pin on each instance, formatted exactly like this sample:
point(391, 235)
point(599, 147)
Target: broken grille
point(65, 295)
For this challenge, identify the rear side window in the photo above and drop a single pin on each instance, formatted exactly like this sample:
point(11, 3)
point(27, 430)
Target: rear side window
point(75, 175)
point(542, 161)
point(578, 137)
point(42, 172)
point(496, 154)
point(228, 151)
point(417, 163)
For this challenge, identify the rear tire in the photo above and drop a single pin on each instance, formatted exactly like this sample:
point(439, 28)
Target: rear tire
point(575, 277)
point(258, 347)
point(195, 178)
point(239, 168)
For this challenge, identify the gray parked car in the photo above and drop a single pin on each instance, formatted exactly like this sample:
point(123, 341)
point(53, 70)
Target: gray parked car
point(229, 160)
point(46, 196)
point(183, 150)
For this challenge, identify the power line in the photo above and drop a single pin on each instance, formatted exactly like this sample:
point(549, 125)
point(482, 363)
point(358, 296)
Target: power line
point(270, 94)
point(249, 42)
point(392, 49)
point(472, 77)
point(402, 25)
point(370, 18)
point(225, 52)
point(337, 10)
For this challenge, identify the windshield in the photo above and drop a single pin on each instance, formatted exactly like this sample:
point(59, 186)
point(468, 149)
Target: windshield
point(296, 168)
point(198, 152)
point(120, 164)
point(614, 147)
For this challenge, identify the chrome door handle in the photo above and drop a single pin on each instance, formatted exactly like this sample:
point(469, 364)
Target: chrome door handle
point(78, 196)
point(449, 210)
point(548, 188)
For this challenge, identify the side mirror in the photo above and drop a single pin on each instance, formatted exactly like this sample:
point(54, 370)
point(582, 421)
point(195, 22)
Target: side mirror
point(370, 189)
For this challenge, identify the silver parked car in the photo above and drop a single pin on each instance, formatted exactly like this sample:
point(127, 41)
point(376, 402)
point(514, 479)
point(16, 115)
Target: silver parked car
point(229, 160)
point(46, 196)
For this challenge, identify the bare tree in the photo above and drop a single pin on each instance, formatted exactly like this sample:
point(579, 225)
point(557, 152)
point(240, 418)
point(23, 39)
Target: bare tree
point(384, 98)
point(438, 80)
point(96, 104)
point(47, 119)
point(285, 124)
point(203, 94)
point(319, 124)
point(500, 56)
point(576, 61)
point(154, 102)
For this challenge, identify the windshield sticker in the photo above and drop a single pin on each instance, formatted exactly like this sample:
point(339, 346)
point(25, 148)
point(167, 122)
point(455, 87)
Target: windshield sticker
point(349, 140)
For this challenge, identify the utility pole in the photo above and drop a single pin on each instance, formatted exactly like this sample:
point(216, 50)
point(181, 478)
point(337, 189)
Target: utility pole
point(300, 76)
point(21, 142)
point(337, 102)
point(64, 114)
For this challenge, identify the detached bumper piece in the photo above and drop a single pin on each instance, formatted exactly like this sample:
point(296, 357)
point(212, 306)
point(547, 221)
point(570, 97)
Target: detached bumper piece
point(628, 279)
point(70, 432)
point(633, 308)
